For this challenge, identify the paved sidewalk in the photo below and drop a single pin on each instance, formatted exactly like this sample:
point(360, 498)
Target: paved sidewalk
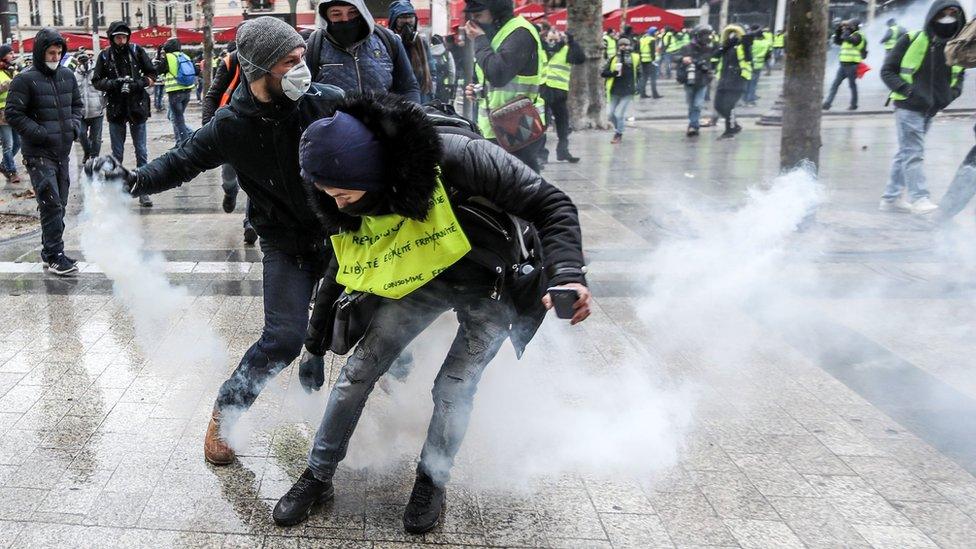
point(841, 420)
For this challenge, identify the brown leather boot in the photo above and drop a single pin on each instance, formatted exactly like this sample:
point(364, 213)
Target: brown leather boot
point(215, 449)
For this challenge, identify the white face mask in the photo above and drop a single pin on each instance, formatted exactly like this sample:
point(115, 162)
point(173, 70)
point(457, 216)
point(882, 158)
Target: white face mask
point(946, 20)
point(296, 81)
point(53, 65)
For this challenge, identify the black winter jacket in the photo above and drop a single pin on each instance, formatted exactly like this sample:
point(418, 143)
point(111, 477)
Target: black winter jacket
point(44, 106)
point(701, 55)
point(517, 55)
point(474, 172)
point(929, 91)
point(223, 78)
point(111, 67)
point(260, 141)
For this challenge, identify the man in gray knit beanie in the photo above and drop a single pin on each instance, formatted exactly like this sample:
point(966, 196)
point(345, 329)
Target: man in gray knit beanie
point(262, 42)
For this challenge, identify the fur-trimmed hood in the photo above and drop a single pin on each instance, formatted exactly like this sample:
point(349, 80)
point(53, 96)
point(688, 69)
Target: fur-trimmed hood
point(411, 153)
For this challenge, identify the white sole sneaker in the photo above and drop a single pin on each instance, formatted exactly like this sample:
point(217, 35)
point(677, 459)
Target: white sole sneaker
point(898, 205)
point(925, 208)
point(63, 272)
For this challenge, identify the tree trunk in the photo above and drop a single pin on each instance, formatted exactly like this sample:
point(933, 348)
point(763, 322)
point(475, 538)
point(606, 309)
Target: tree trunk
point(208, 11)
point(586, 90)
point(806, 59)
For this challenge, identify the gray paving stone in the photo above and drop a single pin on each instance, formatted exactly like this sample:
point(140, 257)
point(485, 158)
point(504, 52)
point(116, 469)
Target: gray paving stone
point(762, 533)
point(891, 537)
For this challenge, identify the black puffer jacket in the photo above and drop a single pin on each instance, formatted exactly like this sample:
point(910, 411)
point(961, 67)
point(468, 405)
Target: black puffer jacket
point(115, 63)
point(485, 185)
point(260, 141)
point(44, 106)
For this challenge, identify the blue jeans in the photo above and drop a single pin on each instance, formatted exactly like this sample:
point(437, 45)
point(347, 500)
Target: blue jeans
point(116, 132)
point(7, 138)
point(288, 283)
point(695, 96)
point(906, 168)
point(666, 60)
point(178, 101)
point(160, 91)
point(483, 328)
point(750, 96)
point(50, 181)
point(846, 71)
point(618, 111)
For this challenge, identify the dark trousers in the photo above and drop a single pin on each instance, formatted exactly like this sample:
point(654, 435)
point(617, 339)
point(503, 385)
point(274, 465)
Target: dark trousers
point(91, 136)
point(530, 153)
point(288, 283)
point(159, 93)
point(50, 181)
point(846, 71)
point(648, 72)
point(230, 186)
point(116, 133)
point(725, 101)
point(557, 108)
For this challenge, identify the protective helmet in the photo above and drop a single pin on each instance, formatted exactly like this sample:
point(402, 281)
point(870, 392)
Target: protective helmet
point(703, 31)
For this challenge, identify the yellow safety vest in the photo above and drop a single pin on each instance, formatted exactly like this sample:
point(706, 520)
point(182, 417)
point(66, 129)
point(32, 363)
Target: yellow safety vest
point(520, 86)
point(760, 47)
point(558, 71)
point(849, 53)
point(895, 33)
point(4, 79)
point(609, 46)
point(912, 61)
point(745, 67)
point(172, 66)
point(635, 62)
point(779, 40)
point(647, 46)
point(678, 41)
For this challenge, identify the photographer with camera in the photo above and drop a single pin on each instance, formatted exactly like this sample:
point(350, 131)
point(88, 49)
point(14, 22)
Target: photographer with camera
point(853, 50)
point(695, 72)
point(124, 72)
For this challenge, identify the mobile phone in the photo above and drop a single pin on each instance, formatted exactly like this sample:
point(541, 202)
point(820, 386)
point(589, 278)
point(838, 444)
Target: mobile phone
point(563, 300)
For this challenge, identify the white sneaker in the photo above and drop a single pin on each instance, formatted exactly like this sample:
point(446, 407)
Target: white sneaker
point(923, 206)
point(899, 205)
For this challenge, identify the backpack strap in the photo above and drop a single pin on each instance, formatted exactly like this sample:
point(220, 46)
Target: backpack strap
point(313, 46)
point(387, 37)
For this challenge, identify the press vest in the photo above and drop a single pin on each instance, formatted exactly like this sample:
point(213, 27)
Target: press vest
point(520, 86)
point(912, 61)
point(745, 67)
point(647, 49)
point(391, 255)
point(849, 53)
point(634, 62)
point(895, 32)
point(172, 67)
point(558, 71)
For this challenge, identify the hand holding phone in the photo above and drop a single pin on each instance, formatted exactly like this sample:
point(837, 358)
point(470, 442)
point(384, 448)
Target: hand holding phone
point(563, 300)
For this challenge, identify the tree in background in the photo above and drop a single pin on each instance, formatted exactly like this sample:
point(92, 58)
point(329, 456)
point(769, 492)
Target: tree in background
point(806, 59)
point(586, 91)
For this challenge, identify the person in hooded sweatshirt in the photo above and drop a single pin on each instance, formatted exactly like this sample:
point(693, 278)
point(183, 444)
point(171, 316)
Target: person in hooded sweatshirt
point(403, 21)
point(921, 85)
point(734, 71)
point(348, 50)
point(432, 209)
point(257, 134)
point(167, 67)
point(45, 108)
point(125, 73)
point(94, 102)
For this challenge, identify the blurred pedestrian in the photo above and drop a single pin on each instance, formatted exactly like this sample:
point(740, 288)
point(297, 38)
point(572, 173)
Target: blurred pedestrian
point(93, 101)
point(695, 73)
point(622, 73)
point(734, 71)
point(853, 50)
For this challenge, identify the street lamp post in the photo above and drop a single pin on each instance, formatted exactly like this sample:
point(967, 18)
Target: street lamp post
point(139, 17)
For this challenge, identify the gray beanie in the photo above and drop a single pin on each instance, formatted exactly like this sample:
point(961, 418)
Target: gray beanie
point(262, 42)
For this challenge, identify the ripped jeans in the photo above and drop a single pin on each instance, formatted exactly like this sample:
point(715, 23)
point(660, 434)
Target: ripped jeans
point(483, 327)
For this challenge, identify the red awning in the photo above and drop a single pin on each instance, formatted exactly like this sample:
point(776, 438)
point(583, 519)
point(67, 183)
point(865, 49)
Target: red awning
point(157, 36)
point(530, 11)
point(556, 18)
point(226, 35)
point(73, 40)
point(642, 17)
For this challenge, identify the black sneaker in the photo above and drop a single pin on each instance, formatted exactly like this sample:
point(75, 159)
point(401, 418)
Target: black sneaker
point(295, 506)
point(62, 266)
point(145, 201)
point(425, 506)
point(229, 203)
point(250, 235)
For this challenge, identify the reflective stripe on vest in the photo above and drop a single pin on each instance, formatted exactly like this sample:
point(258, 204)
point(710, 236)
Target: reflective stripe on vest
point(895, 33)
point(234, 81)
point(849, 53)
point(635, 62)
point(4, 79)
point(647, 49)
point(520, 85)
point(745, 67)
point(173, 66)
point(558, 70)
point(912, 61)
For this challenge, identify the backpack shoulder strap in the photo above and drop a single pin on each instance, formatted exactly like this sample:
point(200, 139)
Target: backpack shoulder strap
point(387, 37)
point(312, 50)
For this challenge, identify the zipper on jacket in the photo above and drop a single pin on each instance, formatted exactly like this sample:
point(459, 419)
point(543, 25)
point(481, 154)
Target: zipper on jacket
point(494, 224)
point(359, 77)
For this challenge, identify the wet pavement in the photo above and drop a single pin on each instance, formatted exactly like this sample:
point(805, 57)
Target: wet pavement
point(846, 425)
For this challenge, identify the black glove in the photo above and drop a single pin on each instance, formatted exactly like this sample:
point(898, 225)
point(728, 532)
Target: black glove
point(311, 371)
point(110, 168)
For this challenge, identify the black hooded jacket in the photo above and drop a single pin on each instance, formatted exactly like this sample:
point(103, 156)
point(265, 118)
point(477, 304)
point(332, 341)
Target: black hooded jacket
point(929, 91)
point(260, 141)
point(485, 185)
point(44, 106)
point(113, 65)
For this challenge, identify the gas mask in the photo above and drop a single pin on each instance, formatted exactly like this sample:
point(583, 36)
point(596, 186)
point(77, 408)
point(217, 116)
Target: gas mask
point(408, 32)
